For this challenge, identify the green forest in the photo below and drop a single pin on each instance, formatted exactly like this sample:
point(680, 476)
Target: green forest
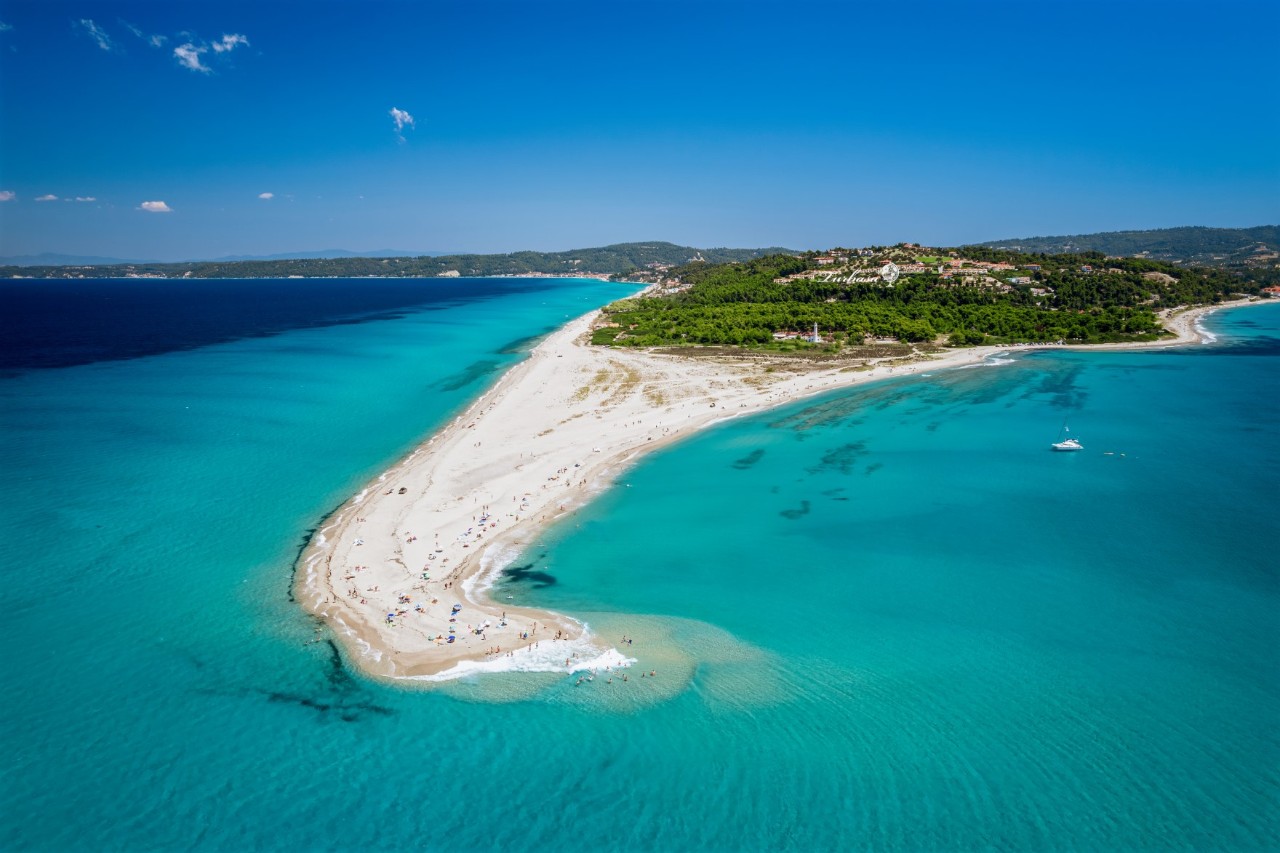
point(1080, 298)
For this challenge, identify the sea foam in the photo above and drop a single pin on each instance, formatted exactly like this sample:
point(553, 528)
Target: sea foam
point(582, 655)
point(1206, 336)
point(493, 561)
point(989, 361)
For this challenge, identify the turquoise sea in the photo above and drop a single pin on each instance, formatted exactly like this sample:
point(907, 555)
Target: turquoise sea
point(887, 618)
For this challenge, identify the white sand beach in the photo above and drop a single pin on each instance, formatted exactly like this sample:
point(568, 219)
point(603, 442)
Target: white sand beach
point(407, 563)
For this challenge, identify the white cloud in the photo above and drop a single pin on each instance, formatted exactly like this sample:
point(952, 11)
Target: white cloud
point(154, 41)
point(266, 196)
point(7, 195)
point(97, 34)
point(85, 198)
point(192, 51)
point(49, 197)
point(4, 28)
point(155, 207)
point(188, 56)
point(401, 118)
point(229, 42)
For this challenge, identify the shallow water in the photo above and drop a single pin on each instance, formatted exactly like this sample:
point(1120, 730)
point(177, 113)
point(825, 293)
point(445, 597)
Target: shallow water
point(888, 618)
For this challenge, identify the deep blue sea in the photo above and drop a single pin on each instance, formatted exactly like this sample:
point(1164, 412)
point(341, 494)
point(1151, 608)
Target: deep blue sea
point(887, 618)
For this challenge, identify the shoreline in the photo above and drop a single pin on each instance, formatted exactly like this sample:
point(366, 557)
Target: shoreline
point(386, 570)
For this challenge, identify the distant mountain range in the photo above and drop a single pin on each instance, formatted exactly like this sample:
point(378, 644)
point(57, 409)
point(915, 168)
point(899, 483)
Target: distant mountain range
point(1212, 247)
point(328, 254)
point(604, 260)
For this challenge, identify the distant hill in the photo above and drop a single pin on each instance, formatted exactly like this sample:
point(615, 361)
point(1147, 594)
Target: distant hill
point(617, 259)
point(329, 254)
point(1215, 247)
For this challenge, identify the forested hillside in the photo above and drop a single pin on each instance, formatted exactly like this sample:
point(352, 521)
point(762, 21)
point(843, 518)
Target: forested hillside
point(1217, 247)
point(969, 296)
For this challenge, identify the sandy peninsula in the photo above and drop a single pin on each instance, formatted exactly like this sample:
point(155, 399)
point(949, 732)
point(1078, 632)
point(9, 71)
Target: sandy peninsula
point(401, 572)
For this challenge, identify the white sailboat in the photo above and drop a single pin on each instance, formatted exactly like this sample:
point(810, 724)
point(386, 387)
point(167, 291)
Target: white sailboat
point(1066, 445)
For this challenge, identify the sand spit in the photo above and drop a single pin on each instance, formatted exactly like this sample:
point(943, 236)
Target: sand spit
point(401, 572)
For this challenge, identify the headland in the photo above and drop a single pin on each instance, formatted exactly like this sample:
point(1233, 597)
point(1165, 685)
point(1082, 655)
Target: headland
point(402, 571)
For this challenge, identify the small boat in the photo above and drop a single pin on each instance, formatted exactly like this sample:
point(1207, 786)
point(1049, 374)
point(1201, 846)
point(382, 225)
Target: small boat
point(1067, 445)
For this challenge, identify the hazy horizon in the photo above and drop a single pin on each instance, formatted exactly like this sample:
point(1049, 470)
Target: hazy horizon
point(57, 258)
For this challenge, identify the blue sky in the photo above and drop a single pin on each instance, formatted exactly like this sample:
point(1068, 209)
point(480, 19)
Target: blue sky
point(160, 127)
